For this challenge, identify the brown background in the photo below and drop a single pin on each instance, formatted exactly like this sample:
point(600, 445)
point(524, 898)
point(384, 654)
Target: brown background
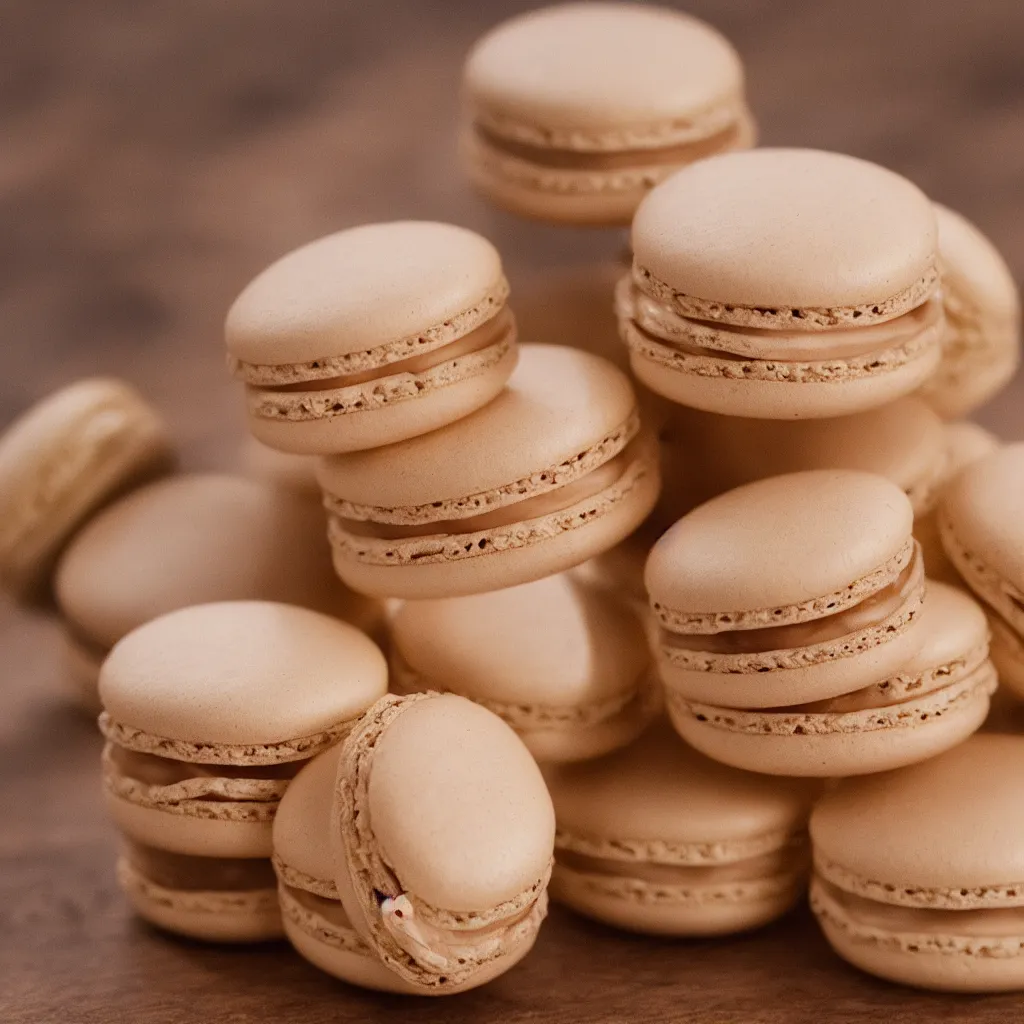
point(153, 156)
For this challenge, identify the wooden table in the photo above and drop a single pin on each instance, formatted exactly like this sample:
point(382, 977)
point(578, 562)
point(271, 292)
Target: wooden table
point(154, 156)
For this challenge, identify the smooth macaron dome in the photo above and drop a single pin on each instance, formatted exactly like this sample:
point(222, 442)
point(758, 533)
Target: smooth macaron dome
point(372, 335)
point(575, 110)
point(554, 471)
point(787, 590)
point(314, 919)
point(657, 838)
point(209, 712)
point(444, 834)
point(60, 461)
point(564, 664)
point(783, 284)
point(919, 873)
point(939, 696)
point(981, 346)
point(216, 899)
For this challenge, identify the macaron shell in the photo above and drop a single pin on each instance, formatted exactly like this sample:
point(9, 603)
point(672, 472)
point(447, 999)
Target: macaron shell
point(360, 289)
point(243, 673)
point(791, 228)
point(302, 823)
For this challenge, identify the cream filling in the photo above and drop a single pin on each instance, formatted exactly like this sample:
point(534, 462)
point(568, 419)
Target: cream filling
point(494, 330)
point(725, 341)
point(587, 486)
point(183, 873)
point(153, 770)
point(872, 611)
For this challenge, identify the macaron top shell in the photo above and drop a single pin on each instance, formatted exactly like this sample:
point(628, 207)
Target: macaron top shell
point(458, 807)
point(553, 642)
point(779, 542)
point(558, 403)
point(302, 823)
point(366, 287)
point(241, 673)
point(661, 789)
point(950, 823)
point(594, 76)
point(984, 507)
point(780, 229)
point(193, 539)
point(952, 625)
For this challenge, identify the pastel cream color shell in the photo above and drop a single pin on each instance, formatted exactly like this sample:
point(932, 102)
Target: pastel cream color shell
point(782, 229)
point(940, 834)
point(603, 76)
point(360, 289)
point(558, 403)
point(302, 824)
point(241, 673)
point(982, 348)
point(779, 542)
point(194, 539)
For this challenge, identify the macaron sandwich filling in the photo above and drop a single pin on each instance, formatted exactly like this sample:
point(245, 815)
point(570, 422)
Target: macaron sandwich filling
point(427, 946)
point(461, 347)
point(313, 906)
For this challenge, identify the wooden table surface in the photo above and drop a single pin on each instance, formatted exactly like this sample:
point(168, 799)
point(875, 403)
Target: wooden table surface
point(153, 157)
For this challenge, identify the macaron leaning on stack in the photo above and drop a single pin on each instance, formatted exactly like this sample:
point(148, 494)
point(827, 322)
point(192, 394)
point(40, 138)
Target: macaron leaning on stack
point(209, 712)
point(574, 111)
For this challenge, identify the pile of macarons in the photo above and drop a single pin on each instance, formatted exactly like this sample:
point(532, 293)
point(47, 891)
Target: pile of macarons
point(669, 629)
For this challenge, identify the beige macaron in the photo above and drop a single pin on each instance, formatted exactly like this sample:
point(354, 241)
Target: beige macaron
point(216, 899)
point(554, 471)
point(981, 346)
point(63, 459)
point(788, 590)
point(564, 664)
point(939, 696)
point(209, 712)
point(919, 873)
point(443, 835)
point(371, 336)
point(193, 539)
point(783, 284)
point(574, 111)
point(658, 839)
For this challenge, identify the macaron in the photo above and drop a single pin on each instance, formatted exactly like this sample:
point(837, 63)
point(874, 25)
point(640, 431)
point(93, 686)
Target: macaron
point(620, 570)
point(215, 899)
point(939, 696)
point(786, 591)
point(63, 459)
point(658, 839)
point(372, 335)
point(981, 521)
point(966, 442)
point(554, 471)
point(564, 664)
point(314, 919)
point(292, 472)
point(209, 711)
point(917, 872)
point(783, 284)
point(574, 111)
point(981, 345)
point(1008, 657)
point(443, 834)
point(194, 539)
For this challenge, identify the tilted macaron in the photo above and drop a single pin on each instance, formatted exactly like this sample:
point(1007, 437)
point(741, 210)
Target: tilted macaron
point(210, 710)
point(939, 696)
point(63, 459)
point(919, 873)
point(656, 838)
point(194, 539)
point(314, 919)
point(573, 112)
point(554, 471)
point(783, 284)
point(564, 664)
point(443, 834)
point(788, 590)
point(216, 899)
point(372, 335)
point(982, 345)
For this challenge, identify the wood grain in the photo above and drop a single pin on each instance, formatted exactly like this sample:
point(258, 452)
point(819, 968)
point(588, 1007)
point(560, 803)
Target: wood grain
point(155, 155)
